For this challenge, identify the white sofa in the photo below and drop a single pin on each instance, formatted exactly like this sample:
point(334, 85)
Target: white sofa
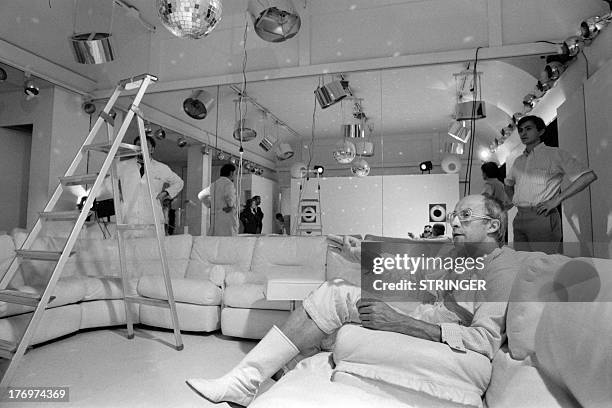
point(557, 354)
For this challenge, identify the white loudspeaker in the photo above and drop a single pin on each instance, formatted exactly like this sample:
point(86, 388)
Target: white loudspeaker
point(437, 212)
point(451, 164)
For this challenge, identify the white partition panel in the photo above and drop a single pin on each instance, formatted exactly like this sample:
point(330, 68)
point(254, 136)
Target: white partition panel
point(378, 205)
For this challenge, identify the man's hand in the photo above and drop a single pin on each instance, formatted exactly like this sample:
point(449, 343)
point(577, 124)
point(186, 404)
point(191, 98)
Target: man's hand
point(545, 207)
point(163, 195)
point(228, 209)
point(347, 246)
point(377, 315)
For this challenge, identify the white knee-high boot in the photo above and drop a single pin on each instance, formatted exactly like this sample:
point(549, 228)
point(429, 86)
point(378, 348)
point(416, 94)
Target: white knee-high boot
point(241, 384)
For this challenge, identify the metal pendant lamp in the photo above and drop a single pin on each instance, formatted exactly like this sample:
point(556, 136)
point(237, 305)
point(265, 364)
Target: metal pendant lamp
point(92, 47)
point(274, 20)
point(332, 93)
point(198, 105)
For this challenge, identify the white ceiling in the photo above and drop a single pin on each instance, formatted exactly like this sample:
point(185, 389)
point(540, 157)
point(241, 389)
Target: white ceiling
point(399, 56)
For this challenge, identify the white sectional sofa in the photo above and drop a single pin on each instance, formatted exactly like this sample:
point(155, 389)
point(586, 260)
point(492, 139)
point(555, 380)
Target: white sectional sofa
point(557, 353)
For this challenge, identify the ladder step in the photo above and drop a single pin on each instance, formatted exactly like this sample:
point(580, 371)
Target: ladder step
point(7, 349)
point(79, 180)
point(131, 227)
point(125, 149)
point(60, 215)
point(21, 298)
point(148, 301)
point(40, 255)
point(134, 82)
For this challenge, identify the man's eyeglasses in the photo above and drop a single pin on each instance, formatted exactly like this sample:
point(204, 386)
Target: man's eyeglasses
point(466, 215)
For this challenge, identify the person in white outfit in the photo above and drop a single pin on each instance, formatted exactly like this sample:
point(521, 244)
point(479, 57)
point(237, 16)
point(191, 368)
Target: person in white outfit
point(477, 324)
point(220, 197)
point(133, 192)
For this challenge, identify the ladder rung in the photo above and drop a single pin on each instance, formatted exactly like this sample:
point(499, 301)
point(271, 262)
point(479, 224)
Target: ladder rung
point(78, 180)
point(21, 298)
point(7, 349)
point(60, 215)
point(134, 82)
point(148, 301)
point(131, 227)
point(125, 149)
point(40, 255)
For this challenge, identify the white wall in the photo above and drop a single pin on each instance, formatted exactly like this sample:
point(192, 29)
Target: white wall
point(14, 175)
point(59, 128)
point(389, 205)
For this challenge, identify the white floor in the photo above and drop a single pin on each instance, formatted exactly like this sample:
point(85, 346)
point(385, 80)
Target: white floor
point(102, 368)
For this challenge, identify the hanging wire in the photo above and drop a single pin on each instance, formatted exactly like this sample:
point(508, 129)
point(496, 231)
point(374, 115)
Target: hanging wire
point(74, 17)
point(112, 16)
point(467, 186)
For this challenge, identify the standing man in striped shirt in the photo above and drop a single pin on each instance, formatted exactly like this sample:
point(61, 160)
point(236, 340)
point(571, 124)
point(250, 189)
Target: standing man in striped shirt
point(534, 186)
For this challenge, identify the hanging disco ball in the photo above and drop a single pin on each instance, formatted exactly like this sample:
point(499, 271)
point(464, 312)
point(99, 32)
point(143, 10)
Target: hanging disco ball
point(360, 168)
point(344, 152)
point(191, 19)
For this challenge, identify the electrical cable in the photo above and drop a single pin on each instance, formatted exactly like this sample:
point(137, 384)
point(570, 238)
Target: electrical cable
point(586, 60)
point(476, 89)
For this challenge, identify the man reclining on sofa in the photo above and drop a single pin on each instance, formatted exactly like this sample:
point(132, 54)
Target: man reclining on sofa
point(478, 231)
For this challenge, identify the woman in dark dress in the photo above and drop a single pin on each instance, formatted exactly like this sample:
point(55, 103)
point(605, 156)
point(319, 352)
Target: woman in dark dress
point(249, 218)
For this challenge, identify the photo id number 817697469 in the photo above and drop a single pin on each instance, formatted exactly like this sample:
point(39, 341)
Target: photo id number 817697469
point(37, 394)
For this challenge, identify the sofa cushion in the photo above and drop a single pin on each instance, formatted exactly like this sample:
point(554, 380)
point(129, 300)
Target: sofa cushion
point(546, 279)
point(107, 287)
point(573, 347)
point(290, 257)
point(435, 369)
point(232, 253)
point(252, 296)
point(194, 291)
point(518, 383)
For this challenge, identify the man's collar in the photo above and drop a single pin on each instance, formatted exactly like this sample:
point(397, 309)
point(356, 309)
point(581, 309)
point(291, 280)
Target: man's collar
point(526, 153)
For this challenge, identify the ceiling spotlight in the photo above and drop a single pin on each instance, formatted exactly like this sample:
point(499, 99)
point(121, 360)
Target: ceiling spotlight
point(198, 105)
point(572, 46)
point(553, 70)
point(267, 142)
point(274, 20)
point(160, 134)
point(517, 116)
point(181, 142)
point(244, 130)
point(221, 155)
point(319, 170)
point(507, 131)
point(331, 93)
point(591, 27)
point(529, 101)
point(191, 19)
point(259, 171)
point(3, 75)
point(88, 107)
point(148, 129)
point(233, 160)
point(29, 88)
point(426, 166)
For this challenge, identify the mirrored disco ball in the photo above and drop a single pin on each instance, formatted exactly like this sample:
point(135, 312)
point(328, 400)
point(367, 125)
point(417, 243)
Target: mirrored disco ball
point(360, 168)
point(191, 19)
point(344, 152)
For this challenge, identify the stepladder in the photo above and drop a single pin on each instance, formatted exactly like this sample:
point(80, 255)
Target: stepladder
point(114, 149)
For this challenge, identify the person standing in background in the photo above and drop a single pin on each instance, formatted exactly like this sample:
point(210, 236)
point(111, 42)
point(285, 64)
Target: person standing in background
point(134, 192)
point(279, 221)
point(248, 217)
point(220, 197)
point(493, 187)
point(534, 186)
point(260, 214)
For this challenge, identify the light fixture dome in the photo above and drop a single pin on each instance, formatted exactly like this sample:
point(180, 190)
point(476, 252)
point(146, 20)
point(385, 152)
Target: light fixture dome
point(360, 168)
point(193, 19)
point(344, 152)
point(244, 130)
point(451, 164)
point(198, 105)
point(283, 151)
point(274, 20)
